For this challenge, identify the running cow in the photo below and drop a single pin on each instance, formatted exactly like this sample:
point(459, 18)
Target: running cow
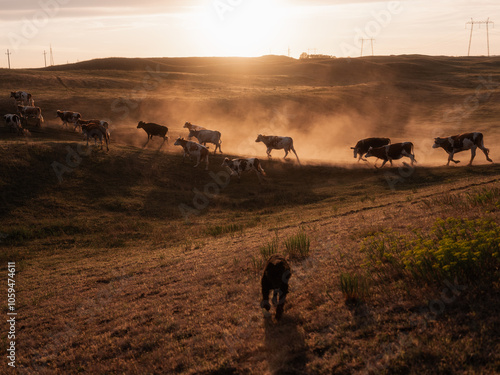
point(275, 278)
point(364, 145)
point(207, 136)
point(96, 131)
point(462, 142)
point(152, 130)
point(392, 152)
point(26, 112)
point(69, 116)
point(13, 122)
point(274, 142)
point(237, 166)
point(193, 149)
point(22, 98)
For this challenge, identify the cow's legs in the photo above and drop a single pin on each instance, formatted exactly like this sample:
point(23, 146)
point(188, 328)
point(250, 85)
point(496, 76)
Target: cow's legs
point(269, 152)
point(297, 156)
point(198, 160)
point(472, 154)
point(450, 158)
point(486, 152)
point(146, 142)
point(286, 153)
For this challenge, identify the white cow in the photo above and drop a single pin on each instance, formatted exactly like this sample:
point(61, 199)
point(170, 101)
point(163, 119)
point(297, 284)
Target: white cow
point(274, 142)
point(207, 136)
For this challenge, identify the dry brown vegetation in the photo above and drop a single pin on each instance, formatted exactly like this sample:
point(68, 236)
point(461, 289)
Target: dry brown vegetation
point(113, 279)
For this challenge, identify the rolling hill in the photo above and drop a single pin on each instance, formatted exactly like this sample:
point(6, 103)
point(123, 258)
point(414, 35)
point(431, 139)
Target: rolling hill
point(132, 261)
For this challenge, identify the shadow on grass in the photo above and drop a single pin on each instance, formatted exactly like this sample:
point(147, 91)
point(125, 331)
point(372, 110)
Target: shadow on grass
point(285, 346)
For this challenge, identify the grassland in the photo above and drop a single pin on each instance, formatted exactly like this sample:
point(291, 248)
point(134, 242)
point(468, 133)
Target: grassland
point(112, 278)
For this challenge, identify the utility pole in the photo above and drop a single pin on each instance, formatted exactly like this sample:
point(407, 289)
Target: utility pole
point(51, 56)
point(8, 56)
point(45, 57)
point(362, 43)
point(472, 23)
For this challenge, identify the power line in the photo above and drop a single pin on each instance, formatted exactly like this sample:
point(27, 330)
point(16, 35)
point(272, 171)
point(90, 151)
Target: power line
point(8, 56)
point(45, 57)
point(362, 43)
point(472, 23)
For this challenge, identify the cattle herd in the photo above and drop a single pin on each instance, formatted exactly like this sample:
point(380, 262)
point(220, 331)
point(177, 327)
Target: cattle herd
point(381, 148)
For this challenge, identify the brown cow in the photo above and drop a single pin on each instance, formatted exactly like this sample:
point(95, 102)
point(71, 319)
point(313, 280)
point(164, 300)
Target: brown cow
point(364, 145)
point(462, 142)
point(392, 152)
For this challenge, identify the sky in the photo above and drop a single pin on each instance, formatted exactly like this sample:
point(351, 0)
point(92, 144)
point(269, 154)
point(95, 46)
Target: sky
point(79, 30)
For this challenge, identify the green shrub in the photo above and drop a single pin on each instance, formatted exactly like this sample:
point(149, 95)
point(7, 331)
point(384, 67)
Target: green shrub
point(454, 248)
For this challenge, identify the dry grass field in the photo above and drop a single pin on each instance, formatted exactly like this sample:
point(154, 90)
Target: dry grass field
point(133, 262)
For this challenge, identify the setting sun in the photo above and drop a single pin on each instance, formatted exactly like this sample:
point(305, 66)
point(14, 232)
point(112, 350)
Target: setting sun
point(247, 29)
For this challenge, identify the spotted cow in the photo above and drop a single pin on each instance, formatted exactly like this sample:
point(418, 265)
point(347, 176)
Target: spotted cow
point(462, 142)
point(237, 166)
point(193, 149)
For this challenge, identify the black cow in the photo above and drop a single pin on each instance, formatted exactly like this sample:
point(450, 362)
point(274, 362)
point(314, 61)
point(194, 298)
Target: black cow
point(153, 129)
point(364, 145)
point(276, 277)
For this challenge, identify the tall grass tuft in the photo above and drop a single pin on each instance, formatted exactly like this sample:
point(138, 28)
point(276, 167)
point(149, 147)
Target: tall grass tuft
point(298, 245)
point(218, 230)
point(354, 287)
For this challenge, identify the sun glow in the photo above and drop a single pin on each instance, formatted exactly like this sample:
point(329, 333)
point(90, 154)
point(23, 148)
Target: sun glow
point(244, 28)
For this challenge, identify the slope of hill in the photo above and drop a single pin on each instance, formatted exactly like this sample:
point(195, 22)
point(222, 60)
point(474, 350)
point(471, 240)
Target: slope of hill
point(132, 261)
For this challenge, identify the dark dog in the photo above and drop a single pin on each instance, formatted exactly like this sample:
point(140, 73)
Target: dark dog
point(276, 276)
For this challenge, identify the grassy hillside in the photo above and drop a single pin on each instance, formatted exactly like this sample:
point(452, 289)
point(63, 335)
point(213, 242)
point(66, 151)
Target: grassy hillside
point(132, 261)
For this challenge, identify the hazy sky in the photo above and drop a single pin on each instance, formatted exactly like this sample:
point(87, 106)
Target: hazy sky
point(85, 29)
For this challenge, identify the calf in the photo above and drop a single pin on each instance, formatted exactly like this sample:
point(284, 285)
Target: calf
point(13, 121)
point(153, 129)
point(69, 116)
point(207, 136)
point(392, 152)
point(193, 149)
point(96, 131)
point(276, 278)
point(277, 143)
point(364, 145)
point(26, 112)
point(22, 98)
point(237, 166)
point(462, 142)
